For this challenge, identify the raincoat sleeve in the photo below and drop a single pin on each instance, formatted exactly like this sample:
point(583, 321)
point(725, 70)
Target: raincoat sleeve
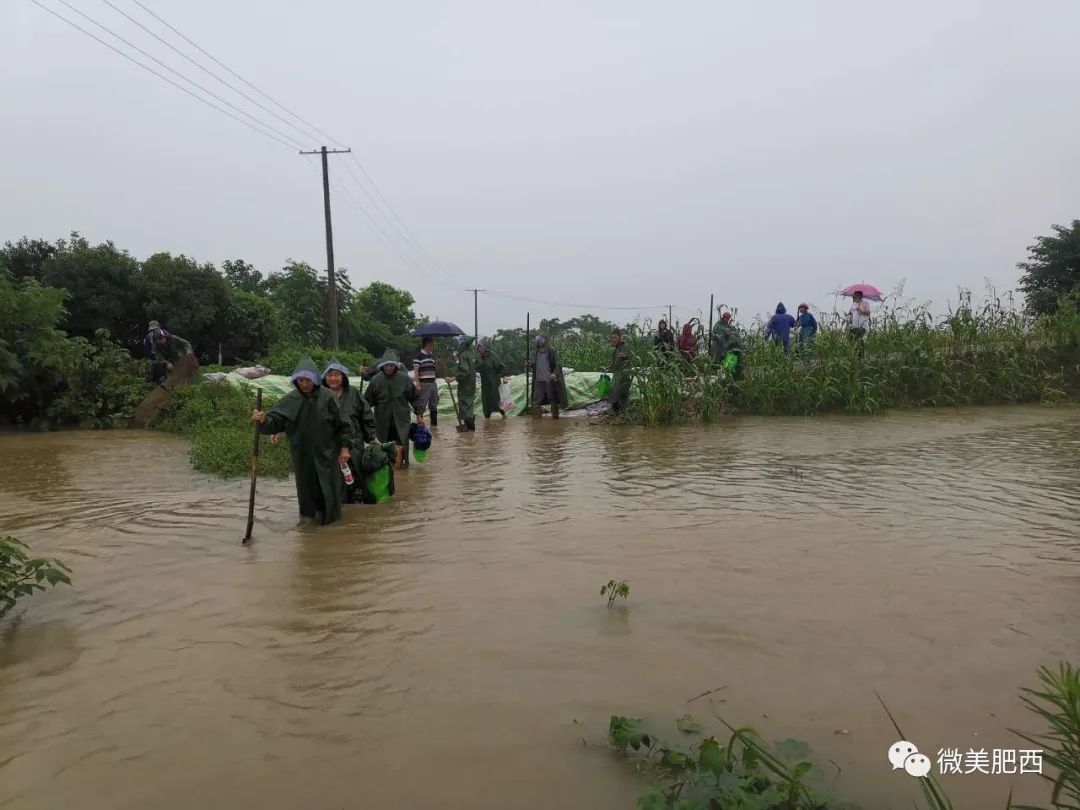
point(367, 422)
point(369, 392)
point(812, 323)
point(466, 368)
point(281, 415)
point(339, 424)
point(182, 346)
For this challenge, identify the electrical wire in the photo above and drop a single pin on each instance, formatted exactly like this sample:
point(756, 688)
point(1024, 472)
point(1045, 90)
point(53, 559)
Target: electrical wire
point(393, 218)
point(203, 68)
point(497, 294)
point(172, 70)
point(334, 141)
point(164, 78)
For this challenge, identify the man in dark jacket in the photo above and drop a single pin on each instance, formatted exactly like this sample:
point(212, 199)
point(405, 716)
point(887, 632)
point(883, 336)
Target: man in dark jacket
point(664, 340)
point(779, 328)
point(549, 384)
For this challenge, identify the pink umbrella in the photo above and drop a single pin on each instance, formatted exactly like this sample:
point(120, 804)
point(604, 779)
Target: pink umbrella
point(869, 291)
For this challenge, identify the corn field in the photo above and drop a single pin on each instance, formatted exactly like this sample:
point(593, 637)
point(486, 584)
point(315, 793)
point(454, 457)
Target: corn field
point(976, 355)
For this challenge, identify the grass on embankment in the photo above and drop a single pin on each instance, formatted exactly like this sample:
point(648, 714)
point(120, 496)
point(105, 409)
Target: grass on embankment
point(216, 419)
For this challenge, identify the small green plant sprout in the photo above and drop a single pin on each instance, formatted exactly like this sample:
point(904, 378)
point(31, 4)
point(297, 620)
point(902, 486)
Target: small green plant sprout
point(21, 574)
point(615, 589)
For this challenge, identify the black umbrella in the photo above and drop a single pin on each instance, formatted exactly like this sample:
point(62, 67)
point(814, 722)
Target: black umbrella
point(437, 329)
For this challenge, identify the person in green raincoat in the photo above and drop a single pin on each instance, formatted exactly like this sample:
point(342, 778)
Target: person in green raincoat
point(491, 370)
point(393, 396)
point(164, 350)
point(619, 392)
point(362, 419)
point(549, 383)
point(320, 438)
point(466, 361)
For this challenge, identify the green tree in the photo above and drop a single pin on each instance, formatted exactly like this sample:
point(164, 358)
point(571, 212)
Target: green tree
point(31, 346)
point(295, 290)
point(242, 276)
point(381, 317)
point(253, 324)
point(27, 257)
point(1052, 268)
point(188, 298)
point(101, 281)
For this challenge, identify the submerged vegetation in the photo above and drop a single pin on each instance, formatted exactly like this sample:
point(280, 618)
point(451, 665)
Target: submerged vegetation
point(21, 575)
point(216, 419)
point(615, 589)
point(746, 773)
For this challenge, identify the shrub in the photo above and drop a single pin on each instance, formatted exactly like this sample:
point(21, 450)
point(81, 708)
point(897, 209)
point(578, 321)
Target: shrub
point(217, 420)
point(21, 574)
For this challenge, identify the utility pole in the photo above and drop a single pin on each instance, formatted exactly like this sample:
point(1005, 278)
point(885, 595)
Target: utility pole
point(669, 316)
point(331, 278)
point(476, 314)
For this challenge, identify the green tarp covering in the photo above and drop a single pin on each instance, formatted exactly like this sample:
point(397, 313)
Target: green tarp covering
point(580, 388)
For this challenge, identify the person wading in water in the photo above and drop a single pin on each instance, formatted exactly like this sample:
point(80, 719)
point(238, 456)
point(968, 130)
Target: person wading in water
point(549, 386)
point(319, 440)
point(361, 419)
point(392, 394)
point(491, 370)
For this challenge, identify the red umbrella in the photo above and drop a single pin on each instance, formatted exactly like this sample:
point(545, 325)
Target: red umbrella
point(869, 291)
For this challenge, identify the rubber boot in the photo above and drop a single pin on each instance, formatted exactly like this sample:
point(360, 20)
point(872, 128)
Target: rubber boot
point(471, 424)
point(434, 421)
point(554, 411)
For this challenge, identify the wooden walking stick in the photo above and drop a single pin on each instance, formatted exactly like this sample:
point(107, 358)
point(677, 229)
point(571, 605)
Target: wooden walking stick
point(461, 426)
point(254, 472)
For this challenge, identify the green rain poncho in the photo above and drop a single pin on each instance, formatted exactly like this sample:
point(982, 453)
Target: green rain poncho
point(391, 395)
point(491, 370)
point(317, 431)
point(619, 392)
point(361, 420)
point(465, 374)
point(354, 407)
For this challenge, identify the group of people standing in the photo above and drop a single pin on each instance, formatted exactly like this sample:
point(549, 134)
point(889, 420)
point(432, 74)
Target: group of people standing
point(805, 325)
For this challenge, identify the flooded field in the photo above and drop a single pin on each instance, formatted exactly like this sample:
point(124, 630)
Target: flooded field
point(450, 649)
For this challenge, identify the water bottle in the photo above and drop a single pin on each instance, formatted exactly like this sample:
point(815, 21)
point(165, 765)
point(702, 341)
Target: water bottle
point(346, 471)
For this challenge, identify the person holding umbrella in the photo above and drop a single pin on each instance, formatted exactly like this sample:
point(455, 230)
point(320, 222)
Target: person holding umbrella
point(858, 315)
point(424, 366)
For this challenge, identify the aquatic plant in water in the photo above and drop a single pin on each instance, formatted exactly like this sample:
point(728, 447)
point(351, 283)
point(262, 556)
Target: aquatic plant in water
point(614, 589)
point(21, 575)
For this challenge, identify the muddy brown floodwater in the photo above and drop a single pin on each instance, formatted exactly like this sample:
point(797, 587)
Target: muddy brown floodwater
point(450, 649)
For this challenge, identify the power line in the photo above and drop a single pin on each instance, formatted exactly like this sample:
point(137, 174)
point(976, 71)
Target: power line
point(221, 64)
point(394, 220)
point(172, 70)
point(565, 305)
point(203, 68)
point(419, 246)
point(164, 78)
point(404, 241)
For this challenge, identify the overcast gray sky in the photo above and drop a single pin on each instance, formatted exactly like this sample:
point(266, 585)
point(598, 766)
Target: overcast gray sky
point(618, 153)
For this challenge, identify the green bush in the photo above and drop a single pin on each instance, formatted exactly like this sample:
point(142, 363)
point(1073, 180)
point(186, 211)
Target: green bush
point(103, 384)
point(21, 574)
point(216, 418)
point(282, 359)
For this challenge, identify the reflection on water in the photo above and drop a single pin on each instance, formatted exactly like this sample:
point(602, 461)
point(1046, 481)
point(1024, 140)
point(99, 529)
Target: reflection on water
point(450, 648)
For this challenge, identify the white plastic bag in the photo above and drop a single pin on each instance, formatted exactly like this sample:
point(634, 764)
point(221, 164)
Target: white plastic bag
point(506, 401)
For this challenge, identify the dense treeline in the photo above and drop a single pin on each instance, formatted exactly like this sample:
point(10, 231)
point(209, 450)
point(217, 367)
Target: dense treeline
point(73, 316)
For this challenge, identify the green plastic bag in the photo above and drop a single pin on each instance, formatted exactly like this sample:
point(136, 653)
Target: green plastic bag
point(379, 484)
point(419, 456)
point(729, 362)
point(603, 385)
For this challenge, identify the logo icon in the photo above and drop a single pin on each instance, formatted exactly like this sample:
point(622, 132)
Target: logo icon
point(905, 755)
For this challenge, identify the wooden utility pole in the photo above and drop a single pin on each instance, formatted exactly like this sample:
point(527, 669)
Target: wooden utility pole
point(331, 278)
point(669, 323)
point(476, 314)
